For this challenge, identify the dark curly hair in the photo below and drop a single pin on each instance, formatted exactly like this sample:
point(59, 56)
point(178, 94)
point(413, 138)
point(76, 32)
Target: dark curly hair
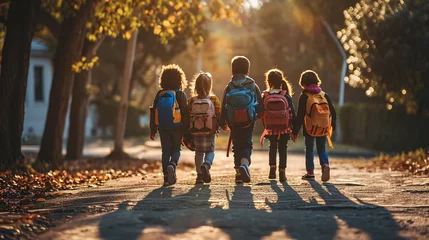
point(240, 65)
point(274, 78)
point(172, 77)
point(309, 77)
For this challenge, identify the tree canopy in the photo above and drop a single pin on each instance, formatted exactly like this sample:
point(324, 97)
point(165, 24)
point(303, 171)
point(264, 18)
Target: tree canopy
point(388, 46)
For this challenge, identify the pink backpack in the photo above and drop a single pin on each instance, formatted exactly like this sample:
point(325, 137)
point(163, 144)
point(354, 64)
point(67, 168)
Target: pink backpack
point(277, 113)
point(203, 117)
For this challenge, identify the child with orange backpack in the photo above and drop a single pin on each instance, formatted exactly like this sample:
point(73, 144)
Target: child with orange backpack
point(170, 116)
point(277, 117)
point(316, 112)
point(204, 109)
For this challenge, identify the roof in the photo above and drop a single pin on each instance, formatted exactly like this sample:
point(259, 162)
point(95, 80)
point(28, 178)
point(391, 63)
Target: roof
point(40, 49)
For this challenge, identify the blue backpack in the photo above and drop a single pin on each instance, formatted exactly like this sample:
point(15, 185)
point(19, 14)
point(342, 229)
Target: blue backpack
point(240, 106)
point(167, 113)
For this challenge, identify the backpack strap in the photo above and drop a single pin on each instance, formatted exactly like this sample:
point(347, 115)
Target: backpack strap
point(283, 92)
point(266, 93)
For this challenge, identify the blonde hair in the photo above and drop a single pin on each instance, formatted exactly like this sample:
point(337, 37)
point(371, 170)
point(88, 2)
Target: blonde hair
point(202, 84)
point(274, 78)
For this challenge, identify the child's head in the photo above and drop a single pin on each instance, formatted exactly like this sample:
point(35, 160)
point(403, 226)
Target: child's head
point(172, 77)
point(240, 65)
point(202, 84)
point(309, 77)
point(275, 79)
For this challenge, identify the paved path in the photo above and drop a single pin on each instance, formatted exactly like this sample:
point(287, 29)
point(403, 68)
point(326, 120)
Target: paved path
point(355, 204)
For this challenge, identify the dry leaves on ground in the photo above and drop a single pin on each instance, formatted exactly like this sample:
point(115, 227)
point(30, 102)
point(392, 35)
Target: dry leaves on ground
point(415, 162)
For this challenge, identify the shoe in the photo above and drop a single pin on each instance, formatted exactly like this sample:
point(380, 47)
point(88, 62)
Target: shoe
point(199, 178)
point(326, 173)
point(171, 174)
point(205, 169)
point(272, 174)
point(308, 177)
point(165, 181)
point(282, 175)
point(244, 173)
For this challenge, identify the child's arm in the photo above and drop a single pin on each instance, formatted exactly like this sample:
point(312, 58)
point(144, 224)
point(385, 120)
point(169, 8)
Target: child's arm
point(299, 120)
point(152, 125)
point(222, 119)
point(260, 106)
point(184, 111)
point(333, 112)
point(216, 103)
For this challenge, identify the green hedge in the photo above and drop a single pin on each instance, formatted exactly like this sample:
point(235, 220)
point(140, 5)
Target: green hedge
point(107, 111)
point(373, 127)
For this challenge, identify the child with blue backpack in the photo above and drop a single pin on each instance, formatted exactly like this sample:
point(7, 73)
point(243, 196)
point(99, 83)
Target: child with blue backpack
point(241, 103)
point(204, 109)
point(170, 116)
point(278, 116)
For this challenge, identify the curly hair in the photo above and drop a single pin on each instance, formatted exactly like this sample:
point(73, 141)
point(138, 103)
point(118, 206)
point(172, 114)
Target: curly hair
point(309, 77)
point(275, 79)
point(202, 84)
point(172, 77)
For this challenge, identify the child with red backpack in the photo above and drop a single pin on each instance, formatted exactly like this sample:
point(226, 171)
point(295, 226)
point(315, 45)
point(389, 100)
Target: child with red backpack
point(317, 114)
point(204, 109)
point(170, 116)
point(241, 103)
point(277, 118)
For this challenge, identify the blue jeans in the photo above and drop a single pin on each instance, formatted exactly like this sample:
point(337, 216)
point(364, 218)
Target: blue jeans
point(201, 157)
point(242, 144)
point(309, 151)
point(171, 140)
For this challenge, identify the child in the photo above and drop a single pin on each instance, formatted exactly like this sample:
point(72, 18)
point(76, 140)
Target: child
point(204, 109)
point(170, 115)
point(278, 115)
point(240, 104)
point(316, 112)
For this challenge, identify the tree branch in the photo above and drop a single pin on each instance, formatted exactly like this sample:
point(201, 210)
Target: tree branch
point(53, 25)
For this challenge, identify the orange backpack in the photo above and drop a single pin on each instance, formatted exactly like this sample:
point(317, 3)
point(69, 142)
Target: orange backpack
point(318, 118)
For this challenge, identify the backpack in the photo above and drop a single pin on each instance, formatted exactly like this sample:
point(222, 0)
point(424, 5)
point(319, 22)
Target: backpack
point(167, 113)
point(203, 117)
point(240, 106)
point(317, 120)
point(277, 113)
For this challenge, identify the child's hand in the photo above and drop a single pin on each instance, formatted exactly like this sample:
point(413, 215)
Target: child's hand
point(152, 136)
point(293, 137)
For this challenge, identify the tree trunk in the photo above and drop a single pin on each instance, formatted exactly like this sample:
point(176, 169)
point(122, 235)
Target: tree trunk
point(79, 105)
point(118, 151)
point(68, 52)
point(21, 25)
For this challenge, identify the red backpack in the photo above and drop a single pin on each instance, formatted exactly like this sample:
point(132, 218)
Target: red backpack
point(277, 114)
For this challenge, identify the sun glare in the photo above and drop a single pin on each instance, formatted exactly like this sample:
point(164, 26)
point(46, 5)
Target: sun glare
point(252, 3)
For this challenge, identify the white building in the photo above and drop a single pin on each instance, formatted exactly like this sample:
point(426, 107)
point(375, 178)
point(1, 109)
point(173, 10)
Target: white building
point(40, 74)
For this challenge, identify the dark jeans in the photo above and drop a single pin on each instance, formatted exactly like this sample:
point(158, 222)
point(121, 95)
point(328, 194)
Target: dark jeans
point(242, 144)
point(171, 140)
point(309, 151)
point(279, 145)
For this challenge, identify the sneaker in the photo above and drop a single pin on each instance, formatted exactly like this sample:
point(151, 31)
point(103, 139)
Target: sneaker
point(244, 173)
point(165, 181)
point(199, 178)
point(205, 169)
point(282, 175)
point(272, 174)
point(308, 177)
point(326, 173)
point(238, 178)
point(171, 174)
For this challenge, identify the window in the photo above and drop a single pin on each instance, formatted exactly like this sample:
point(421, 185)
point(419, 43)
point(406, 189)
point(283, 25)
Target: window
point(38, 84)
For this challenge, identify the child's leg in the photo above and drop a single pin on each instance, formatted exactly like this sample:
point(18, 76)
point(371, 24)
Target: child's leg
point(198, 161)
point(283, 151)
point(166, 144)
point(321, 151)
point(209, 157)
point(309, 154)
point(235, 147)
point(176, 145)
point(243, 144)
point(272, 155)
